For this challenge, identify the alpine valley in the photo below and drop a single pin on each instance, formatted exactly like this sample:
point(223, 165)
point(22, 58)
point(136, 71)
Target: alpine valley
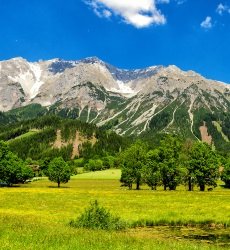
point(143, 102)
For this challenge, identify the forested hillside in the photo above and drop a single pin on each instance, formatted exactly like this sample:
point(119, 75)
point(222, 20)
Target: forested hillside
point(25, 120)
point(156, 100)
point(51, 136)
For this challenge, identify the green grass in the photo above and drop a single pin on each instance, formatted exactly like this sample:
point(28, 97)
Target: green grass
point(110, 174)
point(37, 215)
point(219, 129)
point(28, 134)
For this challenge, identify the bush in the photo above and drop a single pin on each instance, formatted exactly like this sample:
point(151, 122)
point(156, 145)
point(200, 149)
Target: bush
point(94, 165)
point(97, 217)
point(108, 161)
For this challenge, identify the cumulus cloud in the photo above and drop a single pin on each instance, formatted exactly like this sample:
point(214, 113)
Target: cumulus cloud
point(221, 8)
point(139, 13)
point(207, 23)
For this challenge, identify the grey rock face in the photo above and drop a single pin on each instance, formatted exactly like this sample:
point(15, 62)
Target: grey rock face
point(127, 100)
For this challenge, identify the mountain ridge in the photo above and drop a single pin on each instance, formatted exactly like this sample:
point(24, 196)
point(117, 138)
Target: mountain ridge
point(130, 102)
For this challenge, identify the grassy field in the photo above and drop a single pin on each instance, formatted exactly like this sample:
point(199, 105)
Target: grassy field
point(31, 132)
point(36, 215)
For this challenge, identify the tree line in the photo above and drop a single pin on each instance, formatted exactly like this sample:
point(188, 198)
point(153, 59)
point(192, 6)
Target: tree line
point(38, 144)
point(173, 163)
point(14, 170)
point(169, 163)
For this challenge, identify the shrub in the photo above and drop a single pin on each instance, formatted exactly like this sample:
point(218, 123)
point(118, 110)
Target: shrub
point(94, 165)
point(108, 161)
point(97, 217)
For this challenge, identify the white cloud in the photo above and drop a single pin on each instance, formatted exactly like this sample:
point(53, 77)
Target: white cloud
point(162, 1)
point(179, 2)
point(107, 13)
point(222, 8)
point(139, 13)
point(207, 23)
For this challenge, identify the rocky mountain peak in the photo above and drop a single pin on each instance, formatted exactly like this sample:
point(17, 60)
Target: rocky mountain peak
point(92, 59)
point(130, 101)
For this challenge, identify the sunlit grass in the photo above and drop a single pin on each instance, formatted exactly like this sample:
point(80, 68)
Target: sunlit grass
point(31, 132)
point(36, 215)
point(110, 174)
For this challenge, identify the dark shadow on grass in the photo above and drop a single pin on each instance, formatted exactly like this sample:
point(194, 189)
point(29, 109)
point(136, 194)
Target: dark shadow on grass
point(25, 185)
point(13, 186)
point(224, 186)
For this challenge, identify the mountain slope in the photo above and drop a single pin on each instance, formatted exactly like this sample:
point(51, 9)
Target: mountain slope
point(131, 102)
point(51, 136)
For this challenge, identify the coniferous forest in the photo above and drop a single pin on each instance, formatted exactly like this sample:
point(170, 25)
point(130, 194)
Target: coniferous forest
point(163, 160)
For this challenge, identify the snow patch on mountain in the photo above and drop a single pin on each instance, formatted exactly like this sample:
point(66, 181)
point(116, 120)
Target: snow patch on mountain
point(36, 69)
point(124, 89)
point(29, 79)
point(25, 78)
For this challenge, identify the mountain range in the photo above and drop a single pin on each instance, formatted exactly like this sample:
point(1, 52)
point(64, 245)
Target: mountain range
point(138, 102)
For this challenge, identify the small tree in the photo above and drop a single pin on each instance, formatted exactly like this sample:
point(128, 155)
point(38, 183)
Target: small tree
point(151, 171)
point(59, 171)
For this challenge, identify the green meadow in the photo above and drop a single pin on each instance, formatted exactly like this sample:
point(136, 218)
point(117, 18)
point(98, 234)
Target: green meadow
point(36, 215)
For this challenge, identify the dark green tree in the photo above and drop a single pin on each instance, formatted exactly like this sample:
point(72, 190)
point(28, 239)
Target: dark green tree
point(108, 161)
point(169, 162)
point(94, 165)
point(12, 169)
point(204, 165)
point(127, 176)
point(59, 171)
point(189, 176)
point(151, 171)
point(44, 164)
point(225, 176)
point(132, 161)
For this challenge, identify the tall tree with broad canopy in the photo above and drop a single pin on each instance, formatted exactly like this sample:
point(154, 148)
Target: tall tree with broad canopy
point(132, 162)
point(12, 169)
point(226, 173)
point(59, 171)
point(151, 171)
point(189, 177)
point(204, 165)
point(169, 162)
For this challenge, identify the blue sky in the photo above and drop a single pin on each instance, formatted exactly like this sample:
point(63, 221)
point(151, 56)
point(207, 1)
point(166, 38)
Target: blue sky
point(192, 34)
